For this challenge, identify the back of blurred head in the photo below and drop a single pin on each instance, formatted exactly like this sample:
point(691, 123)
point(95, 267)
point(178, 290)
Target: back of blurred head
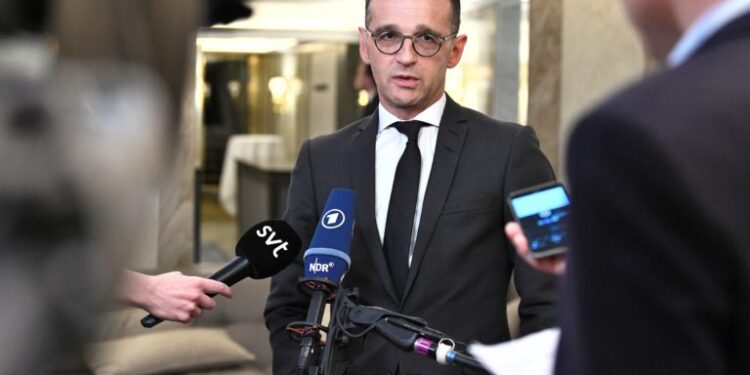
point(661, 23)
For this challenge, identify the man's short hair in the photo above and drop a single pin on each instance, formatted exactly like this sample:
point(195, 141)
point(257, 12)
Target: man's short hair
point(455, 16)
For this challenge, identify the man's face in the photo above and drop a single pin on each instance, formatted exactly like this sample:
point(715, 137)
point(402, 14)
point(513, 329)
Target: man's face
point(407, 82)
point(656, 24)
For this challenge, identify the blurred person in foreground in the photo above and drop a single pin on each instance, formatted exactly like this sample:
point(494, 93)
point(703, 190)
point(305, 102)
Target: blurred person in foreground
point(658, 274)
point(87, 129)
point(444, 250)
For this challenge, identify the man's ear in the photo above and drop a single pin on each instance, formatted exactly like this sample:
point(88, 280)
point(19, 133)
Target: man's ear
point(363, 54)
point(457, 50)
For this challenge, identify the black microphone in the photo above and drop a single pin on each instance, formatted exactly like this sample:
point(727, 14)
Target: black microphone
point(263, 251)
point(326, 263)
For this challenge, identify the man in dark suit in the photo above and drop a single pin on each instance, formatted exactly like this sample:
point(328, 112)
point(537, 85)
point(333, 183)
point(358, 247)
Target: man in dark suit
point(454, 268)
point(658, 276)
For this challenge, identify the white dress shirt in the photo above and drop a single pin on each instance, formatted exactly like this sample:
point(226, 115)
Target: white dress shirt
point(705, 27)
point(389, 146)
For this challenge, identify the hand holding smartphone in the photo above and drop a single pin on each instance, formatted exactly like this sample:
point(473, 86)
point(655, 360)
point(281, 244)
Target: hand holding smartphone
point(543, 213)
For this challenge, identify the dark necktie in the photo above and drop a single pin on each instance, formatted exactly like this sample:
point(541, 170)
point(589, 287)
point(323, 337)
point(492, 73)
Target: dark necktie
point(400, 220)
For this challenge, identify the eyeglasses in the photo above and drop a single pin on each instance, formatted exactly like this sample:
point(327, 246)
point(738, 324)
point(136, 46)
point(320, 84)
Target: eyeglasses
point(425, 45)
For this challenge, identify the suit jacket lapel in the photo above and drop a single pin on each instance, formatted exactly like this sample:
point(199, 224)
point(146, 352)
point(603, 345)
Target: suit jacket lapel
point(450, 141)
point(362, 166)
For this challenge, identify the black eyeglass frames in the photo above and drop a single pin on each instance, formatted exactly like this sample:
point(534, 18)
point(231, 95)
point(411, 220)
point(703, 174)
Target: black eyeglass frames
point(425, 44)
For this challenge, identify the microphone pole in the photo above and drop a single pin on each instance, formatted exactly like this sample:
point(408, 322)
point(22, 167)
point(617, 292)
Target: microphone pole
point(310, 333)
point(335, 336)
point(326, 263)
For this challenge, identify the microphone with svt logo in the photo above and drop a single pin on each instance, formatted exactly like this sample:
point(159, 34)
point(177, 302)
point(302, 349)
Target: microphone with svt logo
point(264, 250)
point(326, 262)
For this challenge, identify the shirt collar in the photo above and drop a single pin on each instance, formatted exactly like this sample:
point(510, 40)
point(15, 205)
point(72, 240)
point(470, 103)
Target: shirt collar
point(706, 26)
point(432, 115)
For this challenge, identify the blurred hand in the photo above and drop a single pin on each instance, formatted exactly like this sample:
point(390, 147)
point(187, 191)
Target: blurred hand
point(171, 296)
point(552, 264)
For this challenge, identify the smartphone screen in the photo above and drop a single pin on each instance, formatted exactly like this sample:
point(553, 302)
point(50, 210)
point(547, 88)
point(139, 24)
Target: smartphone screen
point(543, 212)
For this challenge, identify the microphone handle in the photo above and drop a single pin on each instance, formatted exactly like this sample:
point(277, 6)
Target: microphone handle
point(230, 274)
point(150, 321)
point(310, 343)
point(233, 272)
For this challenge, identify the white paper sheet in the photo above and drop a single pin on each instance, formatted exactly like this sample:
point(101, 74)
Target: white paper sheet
point(533, 354)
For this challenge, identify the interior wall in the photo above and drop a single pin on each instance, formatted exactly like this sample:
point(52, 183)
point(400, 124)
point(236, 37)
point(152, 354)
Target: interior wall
point(323, 92)
point(286, 122)
point(504, 102)
point(347, 109)
point(176, 199)
point(601, 54)
point(580, 52)
point(545, 74)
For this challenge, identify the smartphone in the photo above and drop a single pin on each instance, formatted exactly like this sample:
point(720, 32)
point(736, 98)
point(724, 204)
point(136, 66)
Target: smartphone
point(543, 212)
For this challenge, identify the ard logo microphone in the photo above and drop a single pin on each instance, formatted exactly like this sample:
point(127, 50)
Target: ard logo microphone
point(327, 259)
point(326, 263)
point(333, 219)
point(263, 251)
